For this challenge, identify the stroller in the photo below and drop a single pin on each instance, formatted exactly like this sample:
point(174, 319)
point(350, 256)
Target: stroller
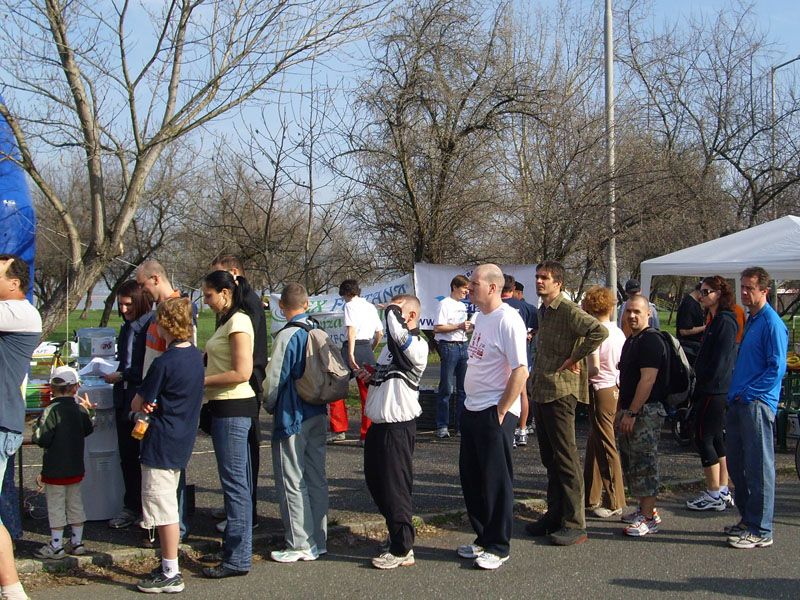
point(680, 420)
point(681, 417)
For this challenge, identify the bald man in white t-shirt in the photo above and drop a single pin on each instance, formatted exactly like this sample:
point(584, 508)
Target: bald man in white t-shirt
point(497, 369)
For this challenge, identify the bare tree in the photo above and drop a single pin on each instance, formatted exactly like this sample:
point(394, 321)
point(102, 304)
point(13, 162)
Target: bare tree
point(705, 87)
point(441, 91)
point(83, 83)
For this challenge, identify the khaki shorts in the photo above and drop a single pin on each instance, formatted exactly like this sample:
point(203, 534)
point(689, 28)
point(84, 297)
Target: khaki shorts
point(159, 496)
point(64, 505)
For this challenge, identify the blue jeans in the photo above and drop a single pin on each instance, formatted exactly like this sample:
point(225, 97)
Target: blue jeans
point(453, 370)
point(229, 435)
point(10, 441)
point(751, 463)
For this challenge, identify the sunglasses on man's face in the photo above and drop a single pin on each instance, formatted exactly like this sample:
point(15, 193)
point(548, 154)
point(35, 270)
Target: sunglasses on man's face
point(706, 292)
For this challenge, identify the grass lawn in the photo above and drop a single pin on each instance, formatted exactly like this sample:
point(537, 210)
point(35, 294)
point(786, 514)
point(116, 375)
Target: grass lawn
point(205, 325)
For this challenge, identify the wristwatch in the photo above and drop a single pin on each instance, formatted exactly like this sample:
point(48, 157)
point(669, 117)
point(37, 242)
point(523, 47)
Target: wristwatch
point(629, 413)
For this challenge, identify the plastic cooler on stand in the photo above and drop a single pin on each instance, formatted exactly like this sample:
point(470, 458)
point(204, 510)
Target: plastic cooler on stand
point(103, 488)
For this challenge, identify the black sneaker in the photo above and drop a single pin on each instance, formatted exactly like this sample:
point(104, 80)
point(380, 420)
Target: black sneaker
point(568, 537)
point(157, 582)
point(541, 528)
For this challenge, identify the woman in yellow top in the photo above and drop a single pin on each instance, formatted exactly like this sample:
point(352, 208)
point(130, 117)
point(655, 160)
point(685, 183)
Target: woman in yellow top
point(232, 403)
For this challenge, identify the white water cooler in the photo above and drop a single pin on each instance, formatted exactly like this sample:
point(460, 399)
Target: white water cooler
point(103, 488)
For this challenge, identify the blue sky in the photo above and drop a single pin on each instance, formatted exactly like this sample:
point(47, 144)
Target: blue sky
point(780, 18)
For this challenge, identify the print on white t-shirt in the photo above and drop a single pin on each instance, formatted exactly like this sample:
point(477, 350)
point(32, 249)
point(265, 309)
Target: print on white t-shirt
point(498, 346)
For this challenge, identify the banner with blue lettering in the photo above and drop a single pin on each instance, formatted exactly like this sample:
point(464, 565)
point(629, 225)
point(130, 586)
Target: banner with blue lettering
point(17, 217)
point(328, 309)
point(432, 283)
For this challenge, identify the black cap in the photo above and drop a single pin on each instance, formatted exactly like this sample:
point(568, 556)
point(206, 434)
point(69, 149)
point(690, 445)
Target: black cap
point(632, 285)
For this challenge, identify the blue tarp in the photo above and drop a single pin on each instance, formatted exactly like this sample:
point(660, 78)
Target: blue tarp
point(17, 217)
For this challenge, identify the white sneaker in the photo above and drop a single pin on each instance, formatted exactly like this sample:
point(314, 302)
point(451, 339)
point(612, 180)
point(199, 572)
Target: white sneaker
point(748, 541)
point(124, 519)
point(727, 499)
point(387, 560)
point(442, 433)
point(77, 549)
point(706, 501)
point(490, 561)
point(521, 436)
point(641, 526)
point(334, 438)
point(47, 551)
point(601, 512)
point(290, 556)
point(469, 551)
point(634, 515)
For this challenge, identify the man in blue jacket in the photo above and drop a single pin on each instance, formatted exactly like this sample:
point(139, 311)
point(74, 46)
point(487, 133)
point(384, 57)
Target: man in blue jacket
point(298, 438)
point(752, 404)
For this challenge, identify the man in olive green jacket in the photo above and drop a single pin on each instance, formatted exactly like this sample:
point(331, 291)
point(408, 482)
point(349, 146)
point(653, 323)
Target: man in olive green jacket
point(566, 336)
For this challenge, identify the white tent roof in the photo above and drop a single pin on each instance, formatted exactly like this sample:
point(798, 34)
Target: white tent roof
point(774, 246)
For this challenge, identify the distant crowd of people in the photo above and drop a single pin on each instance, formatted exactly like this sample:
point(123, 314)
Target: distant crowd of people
point(505, 365)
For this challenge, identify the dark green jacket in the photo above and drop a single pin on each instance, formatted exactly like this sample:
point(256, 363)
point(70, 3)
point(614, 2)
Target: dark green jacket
point(60, 431)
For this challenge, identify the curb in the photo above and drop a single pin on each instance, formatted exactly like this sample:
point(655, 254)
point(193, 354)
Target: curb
point(358, 528)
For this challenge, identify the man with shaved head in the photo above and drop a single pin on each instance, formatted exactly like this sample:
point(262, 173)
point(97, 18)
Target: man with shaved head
point(393, 406)
point(497, 368)
point(643, 372)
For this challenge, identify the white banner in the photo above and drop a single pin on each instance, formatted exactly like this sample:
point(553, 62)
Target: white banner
point(328, 309)
point(432, 283)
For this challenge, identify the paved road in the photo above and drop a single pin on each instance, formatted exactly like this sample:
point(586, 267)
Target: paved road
point(687, 558)
point(436, 487)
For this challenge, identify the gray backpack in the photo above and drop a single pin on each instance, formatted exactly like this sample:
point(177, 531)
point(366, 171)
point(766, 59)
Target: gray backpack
point(326, 378)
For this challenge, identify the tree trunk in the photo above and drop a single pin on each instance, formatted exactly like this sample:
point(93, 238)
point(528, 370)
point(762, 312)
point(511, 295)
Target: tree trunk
point(108, 305)
point(88, 304)
point(70, 292)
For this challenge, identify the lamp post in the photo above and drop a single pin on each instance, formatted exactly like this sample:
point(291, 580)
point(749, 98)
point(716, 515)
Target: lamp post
point(608, 39)
point(772, 128)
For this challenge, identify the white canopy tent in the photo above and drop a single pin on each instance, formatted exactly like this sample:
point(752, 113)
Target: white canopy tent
point(774, 246)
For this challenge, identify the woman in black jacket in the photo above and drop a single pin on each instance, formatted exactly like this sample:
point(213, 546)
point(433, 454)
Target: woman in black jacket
point(134, 307)
point(713, 369)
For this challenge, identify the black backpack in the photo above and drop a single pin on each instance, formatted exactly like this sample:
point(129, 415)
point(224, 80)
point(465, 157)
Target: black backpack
point(680, 374)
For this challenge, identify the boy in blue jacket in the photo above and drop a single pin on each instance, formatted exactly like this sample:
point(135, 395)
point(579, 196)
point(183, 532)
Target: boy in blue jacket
point(298, 438)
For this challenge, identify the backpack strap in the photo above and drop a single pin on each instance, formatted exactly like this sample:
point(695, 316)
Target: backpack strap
point(312, 324)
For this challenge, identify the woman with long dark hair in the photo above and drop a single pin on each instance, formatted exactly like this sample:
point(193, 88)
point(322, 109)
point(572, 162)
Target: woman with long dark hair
point(233, 405)
point(714, 369)
point(135, 308)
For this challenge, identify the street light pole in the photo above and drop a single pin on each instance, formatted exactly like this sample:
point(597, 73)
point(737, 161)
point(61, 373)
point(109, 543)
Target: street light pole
point(772, 129)
point(611, 276)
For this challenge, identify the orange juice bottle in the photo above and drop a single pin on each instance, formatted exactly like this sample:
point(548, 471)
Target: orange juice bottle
point(141, 424)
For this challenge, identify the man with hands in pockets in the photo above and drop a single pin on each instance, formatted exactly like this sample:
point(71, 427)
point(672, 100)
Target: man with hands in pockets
point(497, 369)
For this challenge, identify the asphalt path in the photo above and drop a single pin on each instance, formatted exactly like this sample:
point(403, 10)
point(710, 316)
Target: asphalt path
point(687, 558)
point(437, 486)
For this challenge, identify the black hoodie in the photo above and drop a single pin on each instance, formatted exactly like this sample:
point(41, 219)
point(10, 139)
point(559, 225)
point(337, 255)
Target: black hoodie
point(714, 365)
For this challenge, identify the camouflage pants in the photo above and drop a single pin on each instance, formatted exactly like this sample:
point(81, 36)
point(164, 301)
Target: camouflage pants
point(639, 451)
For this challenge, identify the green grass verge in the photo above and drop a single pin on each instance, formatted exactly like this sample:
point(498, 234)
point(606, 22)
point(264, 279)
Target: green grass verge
point(66, 330)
